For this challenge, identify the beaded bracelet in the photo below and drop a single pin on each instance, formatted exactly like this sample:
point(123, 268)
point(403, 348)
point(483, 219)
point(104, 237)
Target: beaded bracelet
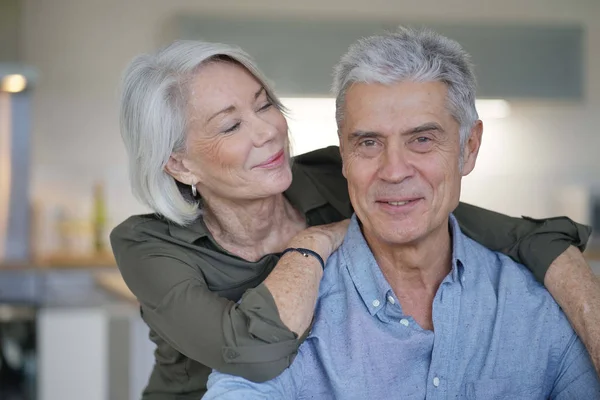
point(305, 253)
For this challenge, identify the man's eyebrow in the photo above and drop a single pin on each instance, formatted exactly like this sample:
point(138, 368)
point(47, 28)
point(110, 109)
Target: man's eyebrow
point(359, 134)
point(429, 126)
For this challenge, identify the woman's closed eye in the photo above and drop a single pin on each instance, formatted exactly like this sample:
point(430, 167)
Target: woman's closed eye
point(265, 106)
point(232, 128)
point(236, 126)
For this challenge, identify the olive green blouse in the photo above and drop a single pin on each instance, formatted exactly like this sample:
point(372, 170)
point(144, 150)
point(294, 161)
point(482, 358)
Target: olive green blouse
point(207, 308)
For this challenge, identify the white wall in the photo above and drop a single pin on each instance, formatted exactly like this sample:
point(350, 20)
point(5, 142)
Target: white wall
point(73, 354)
point(82, 46)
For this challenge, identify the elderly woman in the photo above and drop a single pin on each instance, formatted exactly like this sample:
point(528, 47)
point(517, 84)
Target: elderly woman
point(227, 268)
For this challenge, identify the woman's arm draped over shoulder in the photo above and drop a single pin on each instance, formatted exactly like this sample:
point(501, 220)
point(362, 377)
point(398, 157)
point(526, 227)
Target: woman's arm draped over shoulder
point(551, 249)
point(257, 337)
point(246, 338)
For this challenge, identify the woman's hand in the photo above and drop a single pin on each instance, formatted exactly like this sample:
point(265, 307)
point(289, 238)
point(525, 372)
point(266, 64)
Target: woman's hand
point(294, 283)
point(324, 239)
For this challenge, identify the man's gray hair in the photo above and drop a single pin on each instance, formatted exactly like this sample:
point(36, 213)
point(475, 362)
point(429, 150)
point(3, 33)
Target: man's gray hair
point(411, 55)
point(155, 94)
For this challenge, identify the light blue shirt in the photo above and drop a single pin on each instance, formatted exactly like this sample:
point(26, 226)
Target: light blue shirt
point(498, 335)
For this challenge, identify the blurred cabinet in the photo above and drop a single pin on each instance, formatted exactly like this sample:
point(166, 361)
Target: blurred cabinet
point(93, 353)
point(512, 61)
point(10, 25)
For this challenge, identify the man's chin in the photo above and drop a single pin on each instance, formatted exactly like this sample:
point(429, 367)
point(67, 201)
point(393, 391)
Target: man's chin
point(400, 234)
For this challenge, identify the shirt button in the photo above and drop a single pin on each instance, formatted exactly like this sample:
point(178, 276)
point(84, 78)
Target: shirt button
point(231, 354)
point(436, 381)
point(404, 321)
point(376, 303)
point(391, 300)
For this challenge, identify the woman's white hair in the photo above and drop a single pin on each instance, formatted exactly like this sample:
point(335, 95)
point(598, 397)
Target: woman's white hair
point(411, 55)
point(155, 93)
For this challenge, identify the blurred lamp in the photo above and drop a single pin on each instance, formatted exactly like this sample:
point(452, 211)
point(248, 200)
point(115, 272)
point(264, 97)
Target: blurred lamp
point(13, 83)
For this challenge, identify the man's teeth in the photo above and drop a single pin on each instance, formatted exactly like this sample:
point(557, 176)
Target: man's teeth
point(398, 203)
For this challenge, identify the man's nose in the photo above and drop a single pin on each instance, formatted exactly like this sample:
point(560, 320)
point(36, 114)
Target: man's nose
point(395, 167)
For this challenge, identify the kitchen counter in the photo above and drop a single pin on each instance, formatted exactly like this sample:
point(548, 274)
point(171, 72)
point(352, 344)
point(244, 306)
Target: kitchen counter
point(112, 282)
point(59, 288)
point(64, 261)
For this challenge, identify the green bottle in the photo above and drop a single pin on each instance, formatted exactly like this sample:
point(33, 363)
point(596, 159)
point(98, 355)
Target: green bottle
point(99, 219)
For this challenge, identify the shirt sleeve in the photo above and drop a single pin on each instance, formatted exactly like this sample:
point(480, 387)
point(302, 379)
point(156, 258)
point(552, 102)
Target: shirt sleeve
point(246, 338)
point(536, 243)
point(228, 387)
point(577, 378)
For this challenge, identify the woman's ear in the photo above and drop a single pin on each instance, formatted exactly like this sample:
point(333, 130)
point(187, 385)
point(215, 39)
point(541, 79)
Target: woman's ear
point(177, 169)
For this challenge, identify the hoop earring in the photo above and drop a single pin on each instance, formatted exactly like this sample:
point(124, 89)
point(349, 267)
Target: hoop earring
point(194, 191)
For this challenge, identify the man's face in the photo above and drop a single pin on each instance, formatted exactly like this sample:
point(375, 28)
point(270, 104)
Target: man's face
point(400, 148)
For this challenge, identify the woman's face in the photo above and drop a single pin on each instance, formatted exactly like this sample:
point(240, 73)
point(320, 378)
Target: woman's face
point(237, 140)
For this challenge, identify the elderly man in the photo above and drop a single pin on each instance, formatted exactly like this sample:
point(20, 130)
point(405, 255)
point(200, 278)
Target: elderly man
point(409, 307)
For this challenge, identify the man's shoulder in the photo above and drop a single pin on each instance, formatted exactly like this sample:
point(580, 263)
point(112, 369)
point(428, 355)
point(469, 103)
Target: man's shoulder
point(513, 285)
point(497, 267)
point(522, 309)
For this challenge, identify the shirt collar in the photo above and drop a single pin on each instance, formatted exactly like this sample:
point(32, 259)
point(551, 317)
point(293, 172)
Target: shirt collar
point(363, 269)
point(366, 275)
point(459, 252)
point(302, 193)
point(189, 233)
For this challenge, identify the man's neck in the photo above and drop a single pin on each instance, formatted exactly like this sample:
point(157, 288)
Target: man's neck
point(416, 270)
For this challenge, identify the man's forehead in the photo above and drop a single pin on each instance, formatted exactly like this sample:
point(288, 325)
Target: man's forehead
point(408, 102)
point(397, 91)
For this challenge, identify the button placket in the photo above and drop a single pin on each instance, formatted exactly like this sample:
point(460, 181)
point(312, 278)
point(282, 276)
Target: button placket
point(444, 320)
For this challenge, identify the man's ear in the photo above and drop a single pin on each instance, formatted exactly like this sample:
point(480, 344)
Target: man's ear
point(472, 147)
point(177, 169)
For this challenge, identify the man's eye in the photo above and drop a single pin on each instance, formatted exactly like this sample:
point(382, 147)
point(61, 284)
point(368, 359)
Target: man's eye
point(368, 143)
point(423, 139)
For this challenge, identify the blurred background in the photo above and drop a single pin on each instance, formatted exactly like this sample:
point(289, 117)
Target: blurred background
point(69, 329)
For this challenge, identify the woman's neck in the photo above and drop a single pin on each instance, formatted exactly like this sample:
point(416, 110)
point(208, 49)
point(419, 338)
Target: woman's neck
point(251, 229)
